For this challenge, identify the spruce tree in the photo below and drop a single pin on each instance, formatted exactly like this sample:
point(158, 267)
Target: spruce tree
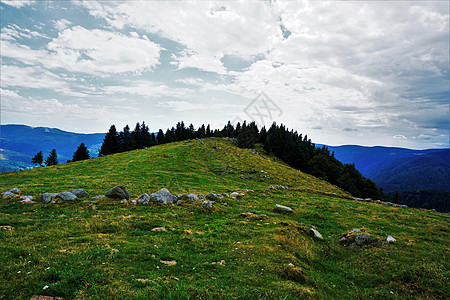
point(111, 143)
point(160, 137)
point(38, 158)
point(52, 159)
point(81, 153)
point(125, 139)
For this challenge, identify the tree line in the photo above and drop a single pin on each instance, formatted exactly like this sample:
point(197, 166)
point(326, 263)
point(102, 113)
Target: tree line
point(293, 148)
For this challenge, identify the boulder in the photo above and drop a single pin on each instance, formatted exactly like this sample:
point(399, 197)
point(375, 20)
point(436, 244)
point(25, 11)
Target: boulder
point(207, 204)
point(14, 190)
point(144, 199)
point(163, 196)
point(390, 239)
point(237, 195)
point(8, 194)
point(118, 192)
point(213, 196)
point(314, 233)
point(282, 208)
point(47, 197)
point(80, 193)
point(67, 196)
point(192, 197)
point(357, 238)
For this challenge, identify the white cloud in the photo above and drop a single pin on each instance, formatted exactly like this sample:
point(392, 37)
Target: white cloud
point(30, 77)
point(19, 3)
point(89, 51)
point(147, 89)
point(62, 24)
point(189, 106)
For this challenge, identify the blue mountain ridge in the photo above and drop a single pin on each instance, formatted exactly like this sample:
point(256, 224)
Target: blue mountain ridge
point(19, 143)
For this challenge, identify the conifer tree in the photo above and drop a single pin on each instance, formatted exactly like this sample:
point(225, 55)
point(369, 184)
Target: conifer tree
point(38, 158)
point(160, 137)
point(125, 139)
point(81, 153)
point(111, 143)
point(52, 159)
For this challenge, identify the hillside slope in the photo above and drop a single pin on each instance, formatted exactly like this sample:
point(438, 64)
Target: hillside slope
point(19, 143)
point(108, 249)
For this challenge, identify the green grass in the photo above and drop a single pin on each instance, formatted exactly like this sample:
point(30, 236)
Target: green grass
point(107, 250)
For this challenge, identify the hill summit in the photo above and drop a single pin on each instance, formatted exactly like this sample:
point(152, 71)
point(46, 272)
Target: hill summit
point(273, 233)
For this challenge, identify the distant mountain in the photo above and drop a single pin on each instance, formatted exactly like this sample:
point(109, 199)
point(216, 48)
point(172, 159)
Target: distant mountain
point(18, 144)
point(368, 160)
point(430, 171)
point(420, 178)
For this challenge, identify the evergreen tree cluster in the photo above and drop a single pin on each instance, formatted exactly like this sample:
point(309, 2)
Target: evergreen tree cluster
point(295, 149)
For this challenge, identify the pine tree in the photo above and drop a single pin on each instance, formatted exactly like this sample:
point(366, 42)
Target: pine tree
point(111, 143)
point(160, 137)
point(38, 158)
point(81, 153)
point(52, 159)
point(125, 139)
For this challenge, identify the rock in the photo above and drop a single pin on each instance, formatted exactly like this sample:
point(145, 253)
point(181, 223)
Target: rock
point(192, 197)
point(237, 195)
point(26, 197)
point(67, 196)
point(207, 204)
point(159, 228)
point(213, 196)
point(357, 238)
point(390, 239)
point(118, 192)
point(282, 208)
point(14, 190)
point(8, 194)
point(163, 196)
point(144, 199)
point(98, 197)
point(252, 216)
point(29, 201)
point(201, 196)
point(47, 197)
point(271, 187)
point(314, 233)
point(169, 262)
point(80, 193)
point(226, 195)
point(133, 201)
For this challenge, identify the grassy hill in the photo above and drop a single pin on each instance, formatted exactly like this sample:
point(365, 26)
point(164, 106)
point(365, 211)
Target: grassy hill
point(107, 249)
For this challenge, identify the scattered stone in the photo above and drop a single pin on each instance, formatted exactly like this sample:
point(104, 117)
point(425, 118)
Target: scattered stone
point(207, 204)
point(144, 199)
point(14, 190)
point(47, 197)
point(98, 197)
point(390, 239)
point(357, 238)
point(67, 196)
point(192, 197)
point(133, 201)
point(29, 201)
point(7, 227)
point(86, 201)
point(26, 197)
point(159, 229)
point(199, 232)
point(123, 201)
point(163, 196)
point(8, 194)
point(237, 195)
point(118, 192)
point(226, 195)
point(282, 208)
point(271, 187)
point(169, 262)
point(80, 193)
point(201, 196)
point(242, 177)
point(314, 233)
point(213, 196)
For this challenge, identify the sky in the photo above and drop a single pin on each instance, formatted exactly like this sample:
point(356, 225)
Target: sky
point(342, 72)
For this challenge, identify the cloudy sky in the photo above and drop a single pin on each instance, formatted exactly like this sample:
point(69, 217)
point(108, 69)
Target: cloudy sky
point(359, 72)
